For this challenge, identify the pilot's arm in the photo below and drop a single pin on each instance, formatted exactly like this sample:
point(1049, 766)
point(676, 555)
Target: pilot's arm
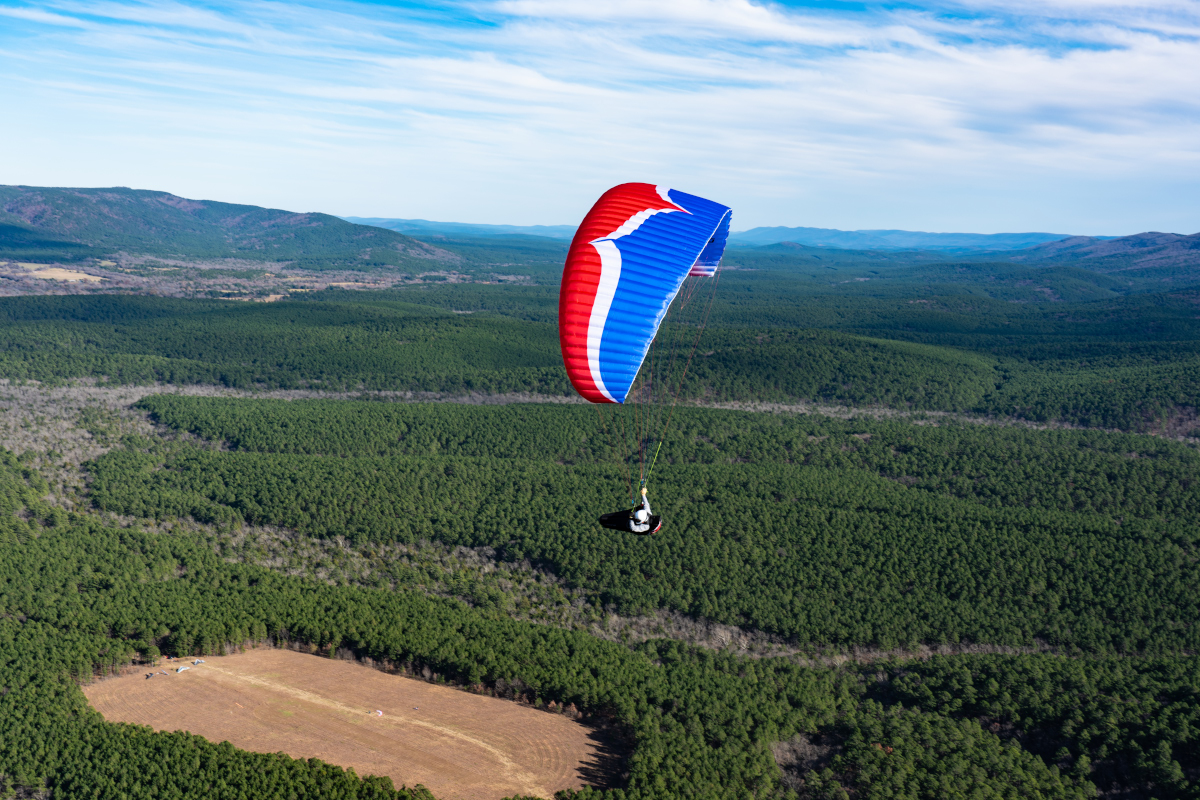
point(643, 513)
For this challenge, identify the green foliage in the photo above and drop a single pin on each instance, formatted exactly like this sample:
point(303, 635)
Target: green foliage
point(1128, 362)
point(384, 344)
point(20, 241)
point(78, 598)
point(289, 345)
point(1116, 475)
point(896, 752)
point(849, 533)
point(1131, 396)
point(508, 255)
point(22, 511)
point(1132, 364)
point(837, 368)
point(1111, 719)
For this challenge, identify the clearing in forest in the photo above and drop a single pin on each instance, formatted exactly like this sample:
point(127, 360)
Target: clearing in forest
point(458, 745)
point(58, 273)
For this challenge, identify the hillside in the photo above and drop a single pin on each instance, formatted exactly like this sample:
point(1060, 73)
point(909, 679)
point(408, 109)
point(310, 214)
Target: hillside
point(891, 239)
point(1152, 250)
point(425, 227)
point(55, 224)
point(754, 237)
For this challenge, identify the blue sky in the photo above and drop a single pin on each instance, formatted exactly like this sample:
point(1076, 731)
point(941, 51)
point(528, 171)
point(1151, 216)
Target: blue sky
point(1072, 116)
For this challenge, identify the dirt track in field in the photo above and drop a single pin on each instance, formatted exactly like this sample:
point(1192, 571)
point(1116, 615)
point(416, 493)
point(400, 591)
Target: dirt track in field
point(458, 745)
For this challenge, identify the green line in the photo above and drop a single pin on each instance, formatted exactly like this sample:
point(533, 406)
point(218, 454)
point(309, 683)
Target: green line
point(652, 463)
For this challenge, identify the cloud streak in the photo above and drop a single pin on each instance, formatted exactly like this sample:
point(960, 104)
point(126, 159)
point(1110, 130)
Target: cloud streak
point(1069, 116)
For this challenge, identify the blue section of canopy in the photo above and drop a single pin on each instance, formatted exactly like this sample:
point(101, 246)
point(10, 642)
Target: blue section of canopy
point(711, 256)
point(655, 259)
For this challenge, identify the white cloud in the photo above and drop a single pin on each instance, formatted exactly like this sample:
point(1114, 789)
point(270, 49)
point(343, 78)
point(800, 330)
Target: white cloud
point(708, 19)
point(980, 116)
point(43, 17)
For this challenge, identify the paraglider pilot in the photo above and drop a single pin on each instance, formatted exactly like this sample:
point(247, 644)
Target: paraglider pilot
point(640, 519)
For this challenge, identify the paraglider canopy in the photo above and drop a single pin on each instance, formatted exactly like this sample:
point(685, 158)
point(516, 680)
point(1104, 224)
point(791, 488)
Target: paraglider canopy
point(627, 262)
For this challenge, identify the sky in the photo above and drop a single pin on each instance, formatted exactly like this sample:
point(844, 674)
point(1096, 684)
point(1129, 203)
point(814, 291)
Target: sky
point(1065, 116)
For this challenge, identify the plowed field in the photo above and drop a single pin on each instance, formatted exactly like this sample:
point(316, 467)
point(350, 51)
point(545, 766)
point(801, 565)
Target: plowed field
point(459, 745)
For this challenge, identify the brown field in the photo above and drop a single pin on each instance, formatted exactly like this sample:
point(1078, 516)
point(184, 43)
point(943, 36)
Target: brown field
point(58, 273)
point(459, 745)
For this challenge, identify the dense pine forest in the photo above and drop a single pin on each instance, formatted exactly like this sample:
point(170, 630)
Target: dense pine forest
point(957, 513)
point(827, 532)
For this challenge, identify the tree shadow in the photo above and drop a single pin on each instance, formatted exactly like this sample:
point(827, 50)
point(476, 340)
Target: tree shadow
point(608, 766)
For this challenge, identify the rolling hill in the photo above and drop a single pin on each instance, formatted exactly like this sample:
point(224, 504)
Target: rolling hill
point(425, 227)
point(891, 239)
point(1151, 249)
point(77, 225)
point(823, 238)
point(70, 224)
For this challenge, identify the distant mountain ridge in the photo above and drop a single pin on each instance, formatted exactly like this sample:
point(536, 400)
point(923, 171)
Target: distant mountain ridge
point(425, 227)
point(891, 239)
point(78, 223)
point(69, 224)
point(755, 237)
point(1151, 247)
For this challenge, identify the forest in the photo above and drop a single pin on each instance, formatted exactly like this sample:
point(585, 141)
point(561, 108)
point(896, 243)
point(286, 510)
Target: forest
point(823, 532)
point(954, 517)
point(1131, 363)
point(81, 597)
